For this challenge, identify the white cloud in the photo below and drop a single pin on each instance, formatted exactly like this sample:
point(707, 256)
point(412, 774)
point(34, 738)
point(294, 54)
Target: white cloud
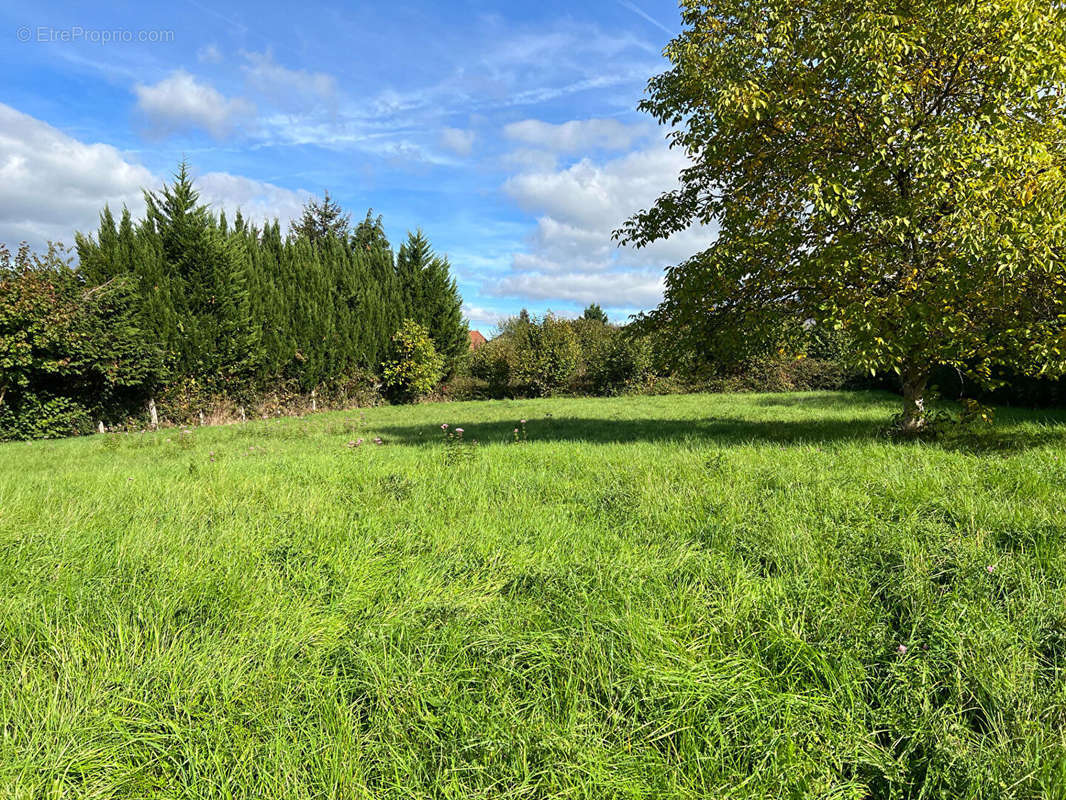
point(460, 142)
point(525, 160)
point(571, 255)
point(635, 289)
point(55, 184)
point(576, 135)
point(293, 89)
point(258, 201)
point(599, 196)
point(481, 318)
point(180, 102)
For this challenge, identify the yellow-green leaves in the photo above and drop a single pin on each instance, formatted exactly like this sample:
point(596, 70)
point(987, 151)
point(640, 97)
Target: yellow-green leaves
point(897, 175)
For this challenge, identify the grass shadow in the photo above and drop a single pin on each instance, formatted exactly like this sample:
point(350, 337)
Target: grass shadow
point(721, 429)
point(1011, 435)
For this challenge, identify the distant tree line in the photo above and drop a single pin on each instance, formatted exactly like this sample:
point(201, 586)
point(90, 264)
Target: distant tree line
point(186, 307)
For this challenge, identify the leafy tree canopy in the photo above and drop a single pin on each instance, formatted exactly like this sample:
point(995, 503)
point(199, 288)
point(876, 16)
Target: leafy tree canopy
point(894, 170)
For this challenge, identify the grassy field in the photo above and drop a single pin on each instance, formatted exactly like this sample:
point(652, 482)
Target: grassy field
point(701, 596)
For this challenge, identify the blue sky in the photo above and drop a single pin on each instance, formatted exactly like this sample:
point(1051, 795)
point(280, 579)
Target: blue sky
point(507, 131)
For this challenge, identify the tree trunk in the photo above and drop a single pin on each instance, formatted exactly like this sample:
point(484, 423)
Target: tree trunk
point(914, 384)
point(153, 415)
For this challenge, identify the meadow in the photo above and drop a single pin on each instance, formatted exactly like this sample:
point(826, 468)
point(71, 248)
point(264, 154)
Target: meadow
point(729, 596)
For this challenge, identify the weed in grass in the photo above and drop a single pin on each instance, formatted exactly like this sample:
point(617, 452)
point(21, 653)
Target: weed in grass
point(520, 434)
point(457, 448)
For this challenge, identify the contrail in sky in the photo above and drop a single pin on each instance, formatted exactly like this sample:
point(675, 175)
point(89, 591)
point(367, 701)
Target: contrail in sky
point(640, 12)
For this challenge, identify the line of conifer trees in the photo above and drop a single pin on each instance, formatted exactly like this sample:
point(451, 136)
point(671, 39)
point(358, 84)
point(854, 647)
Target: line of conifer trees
point(234, 308)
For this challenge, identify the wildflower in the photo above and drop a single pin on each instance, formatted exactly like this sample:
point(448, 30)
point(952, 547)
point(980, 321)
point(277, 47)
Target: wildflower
point(516, 430)
point(902, 649)
point(459, 431)
point(358, 442)
point(991, 568)
point(444, 427)
point(377, 440)
point(522, 421)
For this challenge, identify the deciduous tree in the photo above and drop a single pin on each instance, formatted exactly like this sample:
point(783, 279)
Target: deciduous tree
point(895, 170)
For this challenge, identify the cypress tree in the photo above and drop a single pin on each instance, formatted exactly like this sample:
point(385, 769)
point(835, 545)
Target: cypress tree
point(370, 233)
point(415, 254)
point(232, 305)
point(209, 281)
point(97, 258)
point(322, 221)
point(430, 296)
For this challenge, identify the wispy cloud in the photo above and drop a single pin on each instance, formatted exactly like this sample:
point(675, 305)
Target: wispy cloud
point(460, 142)
point(576, 135)
point(209, 54)
point(289, 89)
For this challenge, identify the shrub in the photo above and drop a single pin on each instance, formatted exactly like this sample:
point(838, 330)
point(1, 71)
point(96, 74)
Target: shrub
point(619, 363)
point(416, 367)
point(546, 355)
point(358, 388)
point(493, 363)
point(467, 387)
point(38, 417)
point(66, 350)
point(592, 336)
point(779, 373)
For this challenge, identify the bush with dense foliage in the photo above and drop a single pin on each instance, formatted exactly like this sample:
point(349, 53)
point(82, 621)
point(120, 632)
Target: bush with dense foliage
point(523, 361)
point(546, 355)
point(69, 352)
point(492, 364)
point(415, 367)
point(620, 362)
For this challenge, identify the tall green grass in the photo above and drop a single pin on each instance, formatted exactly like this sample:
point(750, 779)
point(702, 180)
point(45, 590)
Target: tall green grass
point(702, 596)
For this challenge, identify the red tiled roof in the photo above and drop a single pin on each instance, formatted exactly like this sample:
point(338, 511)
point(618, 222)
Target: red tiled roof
point(476, 340)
